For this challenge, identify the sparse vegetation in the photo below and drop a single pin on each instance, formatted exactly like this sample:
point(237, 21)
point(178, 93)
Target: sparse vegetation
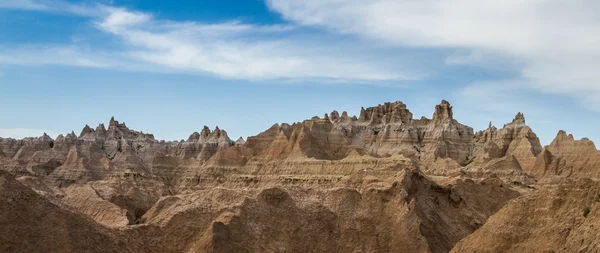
point(469, 161)
point(598, 197)
point(586, 211)
point(51, 144)
point(415, 164)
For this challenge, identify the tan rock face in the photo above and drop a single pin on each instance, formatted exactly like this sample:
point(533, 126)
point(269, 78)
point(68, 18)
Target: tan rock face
point(98, 153)
point(31, 223)
point(550, 219)
point(85, 199)
point(509, 152)
point(380, 131)
point(515, 138)
point(568, 157)
point(384, 211)
point(380, 182)
point(389, 129)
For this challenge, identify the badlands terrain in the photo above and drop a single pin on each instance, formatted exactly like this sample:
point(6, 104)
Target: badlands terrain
point(380, 182)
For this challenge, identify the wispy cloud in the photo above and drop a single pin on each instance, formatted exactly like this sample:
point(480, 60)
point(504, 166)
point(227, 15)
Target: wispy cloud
point(238, 50)
point(56, 6)
point(51, 55)
point(22, 4)
point(231, 49)
point(554, 43)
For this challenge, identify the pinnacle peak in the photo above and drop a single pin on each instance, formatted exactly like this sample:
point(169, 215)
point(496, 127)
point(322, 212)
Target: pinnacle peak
point(112, 122)
point(334, 115)
point(519, 118)
point(443, 112)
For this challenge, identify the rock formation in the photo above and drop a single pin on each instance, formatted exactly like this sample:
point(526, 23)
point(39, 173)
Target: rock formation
point(554, 218)
point(383, 211)
point(568, 157)
point(510, 152)
point(31, 223)
point(514, 139)
point(380, 131)
point(101, 153)
point(379, 182)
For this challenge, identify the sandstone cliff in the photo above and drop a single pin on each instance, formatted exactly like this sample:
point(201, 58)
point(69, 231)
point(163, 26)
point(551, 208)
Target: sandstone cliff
point(379, 182)
point(567, 157)
point(509, 153)
point(378, 211)
point(514, 139)
point(30, 223)
point(551, 219)
point(380, 132)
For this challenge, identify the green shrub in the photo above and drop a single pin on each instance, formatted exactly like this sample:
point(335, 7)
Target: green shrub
point(51, 144)
point(598, 197)
point(586, 211)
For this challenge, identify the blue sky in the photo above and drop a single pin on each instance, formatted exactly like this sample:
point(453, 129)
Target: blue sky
point(171, 67)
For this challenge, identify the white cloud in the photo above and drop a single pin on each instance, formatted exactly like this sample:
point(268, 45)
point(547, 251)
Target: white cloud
point(552, 44)
point(55, 6)
point(120, 19)
point(230, 50)
point(238, 50)
point(50, 55)
point(22, 4)
point(555, 43)
point(19, 133)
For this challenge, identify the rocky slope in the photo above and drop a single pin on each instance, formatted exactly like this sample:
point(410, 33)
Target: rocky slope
point(510, 152)
point(567, 157)
point(515, 139)
point(381, 136)
point(551, 219)
point(104, 152)
point(392, 210)
point(379, 182)
point(31, 223)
